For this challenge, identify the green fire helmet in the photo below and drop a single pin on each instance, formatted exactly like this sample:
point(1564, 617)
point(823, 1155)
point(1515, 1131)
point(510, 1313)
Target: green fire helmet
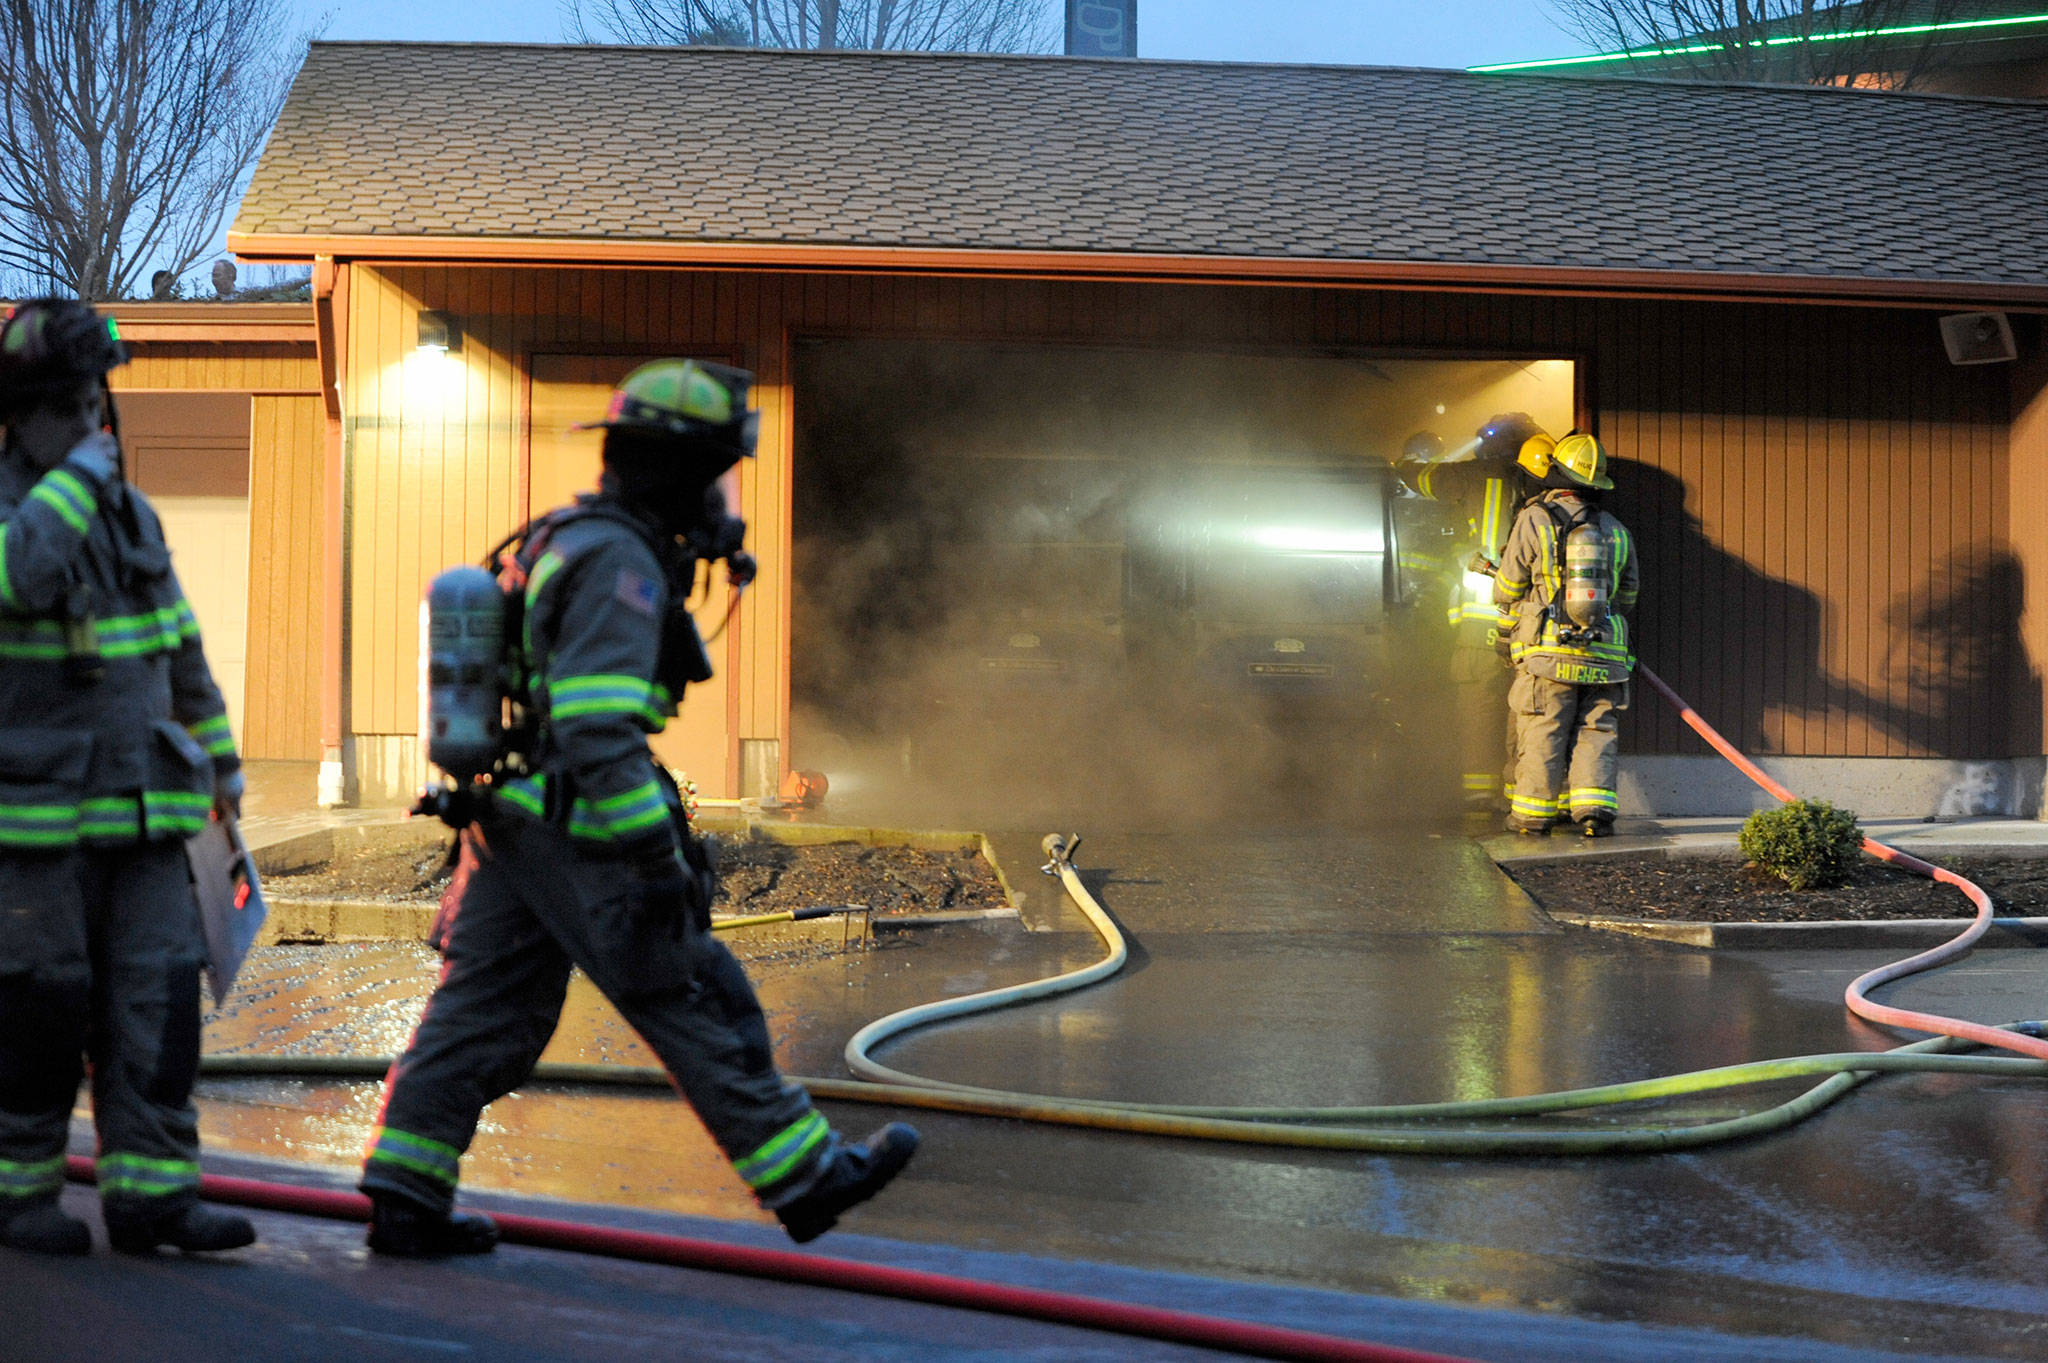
point(686, 399)
point(1582, 460)
point(51, 344)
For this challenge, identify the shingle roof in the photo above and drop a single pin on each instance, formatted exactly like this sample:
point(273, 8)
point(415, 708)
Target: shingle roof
point(1168, 158)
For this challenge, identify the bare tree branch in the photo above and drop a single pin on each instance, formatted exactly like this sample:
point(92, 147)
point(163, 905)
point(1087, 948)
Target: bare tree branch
point(126, 127)
point(1802, 42)
point(899, 25)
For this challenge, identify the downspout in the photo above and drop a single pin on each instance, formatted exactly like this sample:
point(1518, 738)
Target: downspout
point(330, 314)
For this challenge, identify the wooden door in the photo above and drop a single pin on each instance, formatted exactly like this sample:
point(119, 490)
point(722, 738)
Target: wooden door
point(568, 389)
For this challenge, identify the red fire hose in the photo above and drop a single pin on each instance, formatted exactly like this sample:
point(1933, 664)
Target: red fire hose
point(816, 1270)
point(1857, 995)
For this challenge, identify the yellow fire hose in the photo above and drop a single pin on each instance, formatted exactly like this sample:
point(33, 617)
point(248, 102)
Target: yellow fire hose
point(1408, 1129)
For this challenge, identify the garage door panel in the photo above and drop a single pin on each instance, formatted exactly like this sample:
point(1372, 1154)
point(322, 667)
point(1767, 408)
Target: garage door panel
point(189, 452)
point(209, 539)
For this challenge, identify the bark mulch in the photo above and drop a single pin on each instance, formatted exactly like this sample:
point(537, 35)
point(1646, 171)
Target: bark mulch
point(1716, 890)
point(757, 877)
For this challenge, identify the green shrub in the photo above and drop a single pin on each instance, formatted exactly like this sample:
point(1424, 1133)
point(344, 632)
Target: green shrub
point(1809, 844)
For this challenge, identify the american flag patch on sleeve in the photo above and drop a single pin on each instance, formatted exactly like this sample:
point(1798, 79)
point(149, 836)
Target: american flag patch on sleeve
point(642, 594)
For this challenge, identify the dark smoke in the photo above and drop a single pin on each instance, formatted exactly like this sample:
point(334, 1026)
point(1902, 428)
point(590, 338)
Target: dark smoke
point(954, 502)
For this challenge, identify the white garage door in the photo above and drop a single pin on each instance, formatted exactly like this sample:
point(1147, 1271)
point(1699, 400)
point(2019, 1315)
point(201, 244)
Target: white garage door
point(190, 453)
point(209, 538)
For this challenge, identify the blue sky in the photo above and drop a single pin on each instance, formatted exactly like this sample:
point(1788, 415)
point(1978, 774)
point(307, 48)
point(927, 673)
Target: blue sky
point(1364, 32)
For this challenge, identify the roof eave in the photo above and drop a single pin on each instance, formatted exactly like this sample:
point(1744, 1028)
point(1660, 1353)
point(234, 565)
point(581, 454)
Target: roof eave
point(280, 323)
point(1218, 269)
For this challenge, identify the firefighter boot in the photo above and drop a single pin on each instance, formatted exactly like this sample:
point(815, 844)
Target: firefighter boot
point(1596, 827)
point(409, 1230)
point(192, 1227)
point(847, 1176)
point(45, 1229)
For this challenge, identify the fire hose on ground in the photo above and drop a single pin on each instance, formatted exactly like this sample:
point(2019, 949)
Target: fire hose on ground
point(1398, 1129)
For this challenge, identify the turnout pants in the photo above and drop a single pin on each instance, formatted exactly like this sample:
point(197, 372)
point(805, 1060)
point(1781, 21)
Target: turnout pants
point(1480, 687)
point(1568, 743)
point(534, 905)
point(100, 955)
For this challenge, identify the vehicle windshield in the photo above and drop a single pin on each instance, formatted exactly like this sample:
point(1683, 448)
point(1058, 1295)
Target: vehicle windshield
point(1290, 550)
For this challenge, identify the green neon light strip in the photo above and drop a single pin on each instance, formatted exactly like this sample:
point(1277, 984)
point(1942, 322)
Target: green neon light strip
point(1654, 52)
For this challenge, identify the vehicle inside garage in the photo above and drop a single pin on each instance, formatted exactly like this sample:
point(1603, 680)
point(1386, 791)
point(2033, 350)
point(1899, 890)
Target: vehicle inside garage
point(1171, 579)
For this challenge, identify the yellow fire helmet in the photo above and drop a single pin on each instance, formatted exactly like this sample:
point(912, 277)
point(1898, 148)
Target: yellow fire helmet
point(1535, 456)
point(1583, 460)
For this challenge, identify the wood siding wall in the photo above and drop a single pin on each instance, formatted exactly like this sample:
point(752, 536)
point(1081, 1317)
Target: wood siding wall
point(1821, 499)
point(244, 366)
point(282, 706)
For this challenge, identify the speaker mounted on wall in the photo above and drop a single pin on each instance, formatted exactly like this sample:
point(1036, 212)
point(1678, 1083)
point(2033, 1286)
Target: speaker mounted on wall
point(1977, 338)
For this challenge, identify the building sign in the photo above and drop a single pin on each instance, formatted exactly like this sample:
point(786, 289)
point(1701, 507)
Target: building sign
point(1102, 28)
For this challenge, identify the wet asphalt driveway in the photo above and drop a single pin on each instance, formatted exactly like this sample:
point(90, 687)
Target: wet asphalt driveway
point(1321, 968)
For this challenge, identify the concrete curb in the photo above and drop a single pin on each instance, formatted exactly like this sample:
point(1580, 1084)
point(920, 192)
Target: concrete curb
point(1609, 848)
point(1907, 934)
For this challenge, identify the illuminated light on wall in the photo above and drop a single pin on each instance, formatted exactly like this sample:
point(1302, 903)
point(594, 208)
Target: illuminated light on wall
point(1895, 31)
point(1301, 539)
point(439, 333)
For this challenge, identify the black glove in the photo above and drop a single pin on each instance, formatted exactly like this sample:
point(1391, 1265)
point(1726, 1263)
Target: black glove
point(678, 887)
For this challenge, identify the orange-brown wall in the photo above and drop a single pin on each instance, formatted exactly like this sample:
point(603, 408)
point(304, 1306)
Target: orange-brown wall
point(2028, 702)
point(282, 695)
point(1805, 482)
point(281, 709)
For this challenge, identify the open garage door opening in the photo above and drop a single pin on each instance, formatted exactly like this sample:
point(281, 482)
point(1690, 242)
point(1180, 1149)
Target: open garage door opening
point(1035, 578)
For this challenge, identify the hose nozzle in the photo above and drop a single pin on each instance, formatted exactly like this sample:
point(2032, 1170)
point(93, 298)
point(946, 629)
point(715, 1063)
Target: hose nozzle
point(1059, 851)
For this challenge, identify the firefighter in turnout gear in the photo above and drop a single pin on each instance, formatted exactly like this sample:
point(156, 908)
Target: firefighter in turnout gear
point(1485, 491)
point(588, 859)
point(1569, 576)
point(114, 748)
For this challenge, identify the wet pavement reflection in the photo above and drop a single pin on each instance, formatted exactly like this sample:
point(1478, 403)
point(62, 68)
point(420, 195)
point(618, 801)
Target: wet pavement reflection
point(1313, 968)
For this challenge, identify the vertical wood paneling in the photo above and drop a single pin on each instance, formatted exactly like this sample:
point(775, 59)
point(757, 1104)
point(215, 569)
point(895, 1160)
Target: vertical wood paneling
point(282, 709)
point(238, 366)
point(1809, 478)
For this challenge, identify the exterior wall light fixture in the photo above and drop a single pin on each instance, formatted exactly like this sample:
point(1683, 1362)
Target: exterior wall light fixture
point(440, 333)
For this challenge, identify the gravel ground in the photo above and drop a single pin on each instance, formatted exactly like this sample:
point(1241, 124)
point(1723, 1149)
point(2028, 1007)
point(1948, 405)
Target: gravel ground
point(1699, 889)
point(758, 877)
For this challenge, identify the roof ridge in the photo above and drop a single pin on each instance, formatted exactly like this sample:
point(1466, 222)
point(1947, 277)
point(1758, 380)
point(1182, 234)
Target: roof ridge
point(680, 52)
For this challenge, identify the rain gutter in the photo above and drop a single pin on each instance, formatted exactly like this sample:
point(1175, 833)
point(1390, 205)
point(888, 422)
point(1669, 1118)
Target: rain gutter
point(1103, 265)
point(330, 317)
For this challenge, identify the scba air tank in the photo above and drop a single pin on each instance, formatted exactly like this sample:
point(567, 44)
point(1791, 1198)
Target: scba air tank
point(1588, 570)
point(462, 650)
